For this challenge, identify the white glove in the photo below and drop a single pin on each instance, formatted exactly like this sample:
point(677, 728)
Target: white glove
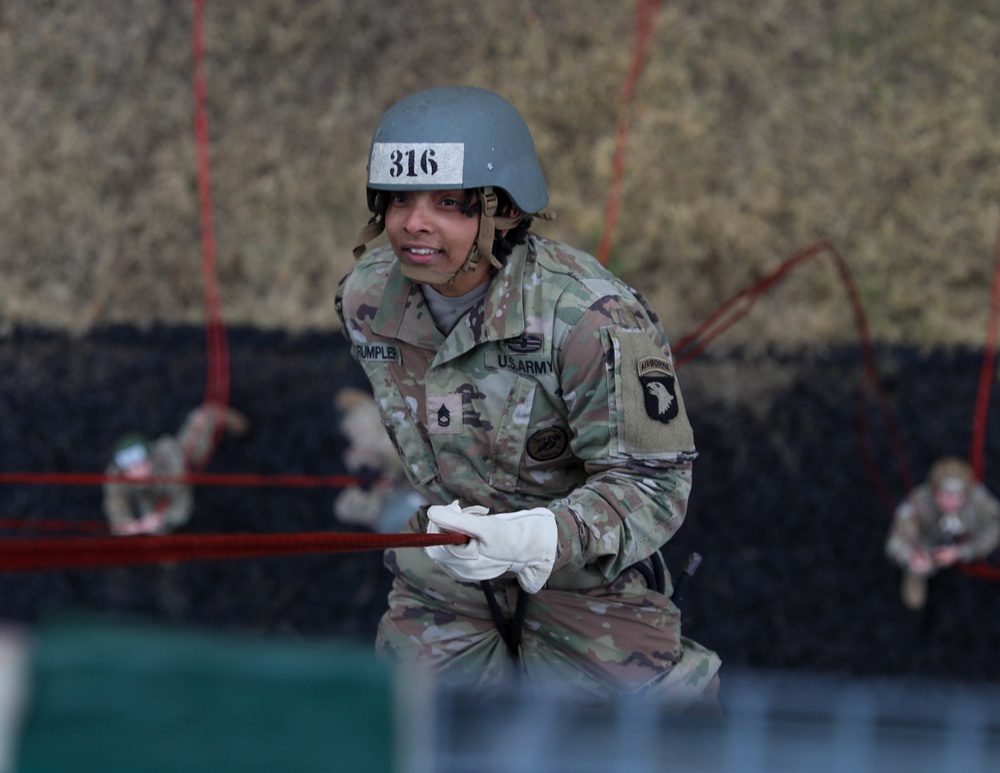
point(523, 542)
point(150, 523)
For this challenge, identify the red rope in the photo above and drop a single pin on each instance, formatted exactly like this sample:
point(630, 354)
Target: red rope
point(217, 380)
point(737, 307)
point(51, 524)
point(85, 552)
point(646, 14)
point(986, 372)
point(740, 304)
point(982, 569)
point(198, 478)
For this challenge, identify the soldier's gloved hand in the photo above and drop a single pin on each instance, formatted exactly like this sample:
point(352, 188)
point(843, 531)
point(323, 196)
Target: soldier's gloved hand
point(523, 542)
point(946, 555)
point(150, 523)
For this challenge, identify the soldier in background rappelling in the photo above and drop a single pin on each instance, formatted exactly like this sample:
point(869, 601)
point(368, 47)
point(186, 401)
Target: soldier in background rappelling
point(144, 504)
point(950, 518)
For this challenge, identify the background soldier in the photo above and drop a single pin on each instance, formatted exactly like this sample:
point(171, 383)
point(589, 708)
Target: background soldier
point(949, 518)
point(155, 507)
point(387, 501)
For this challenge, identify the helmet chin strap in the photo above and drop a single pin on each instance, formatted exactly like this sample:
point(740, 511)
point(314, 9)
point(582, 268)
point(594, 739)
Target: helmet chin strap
point(372, 229)
point(427, 276)
point(488, 225)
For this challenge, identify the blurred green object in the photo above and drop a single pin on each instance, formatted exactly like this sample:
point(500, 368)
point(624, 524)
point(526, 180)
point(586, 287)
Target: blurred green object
point(110, 697)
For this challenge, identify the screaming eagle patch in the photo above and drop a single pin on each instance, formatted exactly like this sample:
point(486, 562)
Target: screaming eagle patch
point(651, 421)
point(658, 389)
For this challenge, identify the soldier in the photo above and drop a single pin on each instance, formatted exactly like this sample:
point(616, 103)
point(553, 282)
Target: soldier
point(948, 519)
point(156, 507)
point(532, 397)
point(387, 500)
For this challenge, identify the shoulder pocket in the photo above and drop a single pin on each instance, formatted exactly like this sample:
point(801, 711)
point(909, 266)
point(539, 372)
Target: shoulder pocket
point(650, 419)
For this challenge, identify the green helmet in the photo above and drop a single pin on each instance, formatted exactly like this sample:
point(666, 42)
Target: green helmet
point(130, 449)
point(449, 138)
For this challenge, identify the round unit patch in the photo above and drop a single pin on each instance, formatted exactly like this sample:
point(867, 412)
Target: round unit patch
point(547, 444)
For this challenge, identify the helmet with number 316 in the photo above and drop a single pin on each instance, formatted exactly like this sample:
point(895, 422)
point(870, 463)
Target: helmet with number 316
point(453, 137)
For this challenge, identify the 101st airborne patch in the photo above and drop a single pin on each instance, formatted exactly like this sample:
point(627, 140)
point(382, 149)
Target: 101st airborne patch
point(654, 421)
point(658, 389)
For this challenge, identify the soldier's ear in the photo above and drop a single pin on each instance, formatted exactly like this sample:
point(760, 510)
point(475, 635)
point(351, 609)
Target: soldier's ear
point(510, 211)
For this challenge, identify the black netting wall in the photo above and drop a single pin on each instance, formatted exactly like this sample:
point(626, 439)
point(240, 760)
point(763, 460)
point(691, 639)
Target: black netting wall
point(784, 510)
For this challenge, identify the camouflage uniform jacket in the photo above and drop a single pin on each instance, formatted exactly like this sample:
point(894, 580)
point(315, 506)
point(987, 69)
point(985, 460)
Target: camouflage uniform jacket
point(919, 525)
point(548, 393)
point(556, 390)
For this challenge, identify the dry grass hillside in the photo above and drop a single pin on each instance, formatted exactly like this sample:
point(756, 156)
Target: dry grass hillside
point(757, 129)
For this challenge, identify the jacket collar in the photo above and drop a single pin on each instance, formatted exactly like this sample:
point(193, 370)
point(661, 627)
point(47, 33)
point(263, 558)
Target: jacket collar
point(403, 313)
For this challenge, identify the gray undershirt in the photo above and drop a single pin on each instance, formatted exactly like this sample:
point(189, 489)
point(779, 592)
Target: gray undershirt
point(447, 311)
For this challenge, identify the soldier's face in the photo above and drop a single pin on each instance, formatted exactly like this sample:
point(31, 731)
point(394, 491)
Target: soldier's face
point(949, 501)
point(427, 229)
point(140, 470)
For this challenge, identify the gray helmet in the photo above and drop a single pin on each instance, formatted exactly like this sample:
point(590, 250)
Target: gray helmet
point(456, 137)
point(951, 473)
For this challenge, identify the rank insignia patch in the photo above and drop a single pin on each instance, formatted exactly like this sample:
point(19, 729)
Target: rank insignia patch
point(444, 414)
point(658, 389)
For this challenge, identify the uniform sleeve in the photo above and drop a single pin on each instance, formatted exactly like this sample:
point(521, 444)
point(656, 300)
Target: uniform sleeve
point(177, 507)
point(198, 431)
point(903, 539)
point(629, 427)
point(177, 500)
point(986, 535)
point(116, 504)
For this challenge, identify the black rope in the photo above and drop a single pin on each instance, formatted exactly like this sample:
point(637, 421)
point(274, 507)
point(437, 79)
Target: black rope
point(659, 571)
point(647, 574)
point(519, 614)
point(509, 632)
point(653, 571)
